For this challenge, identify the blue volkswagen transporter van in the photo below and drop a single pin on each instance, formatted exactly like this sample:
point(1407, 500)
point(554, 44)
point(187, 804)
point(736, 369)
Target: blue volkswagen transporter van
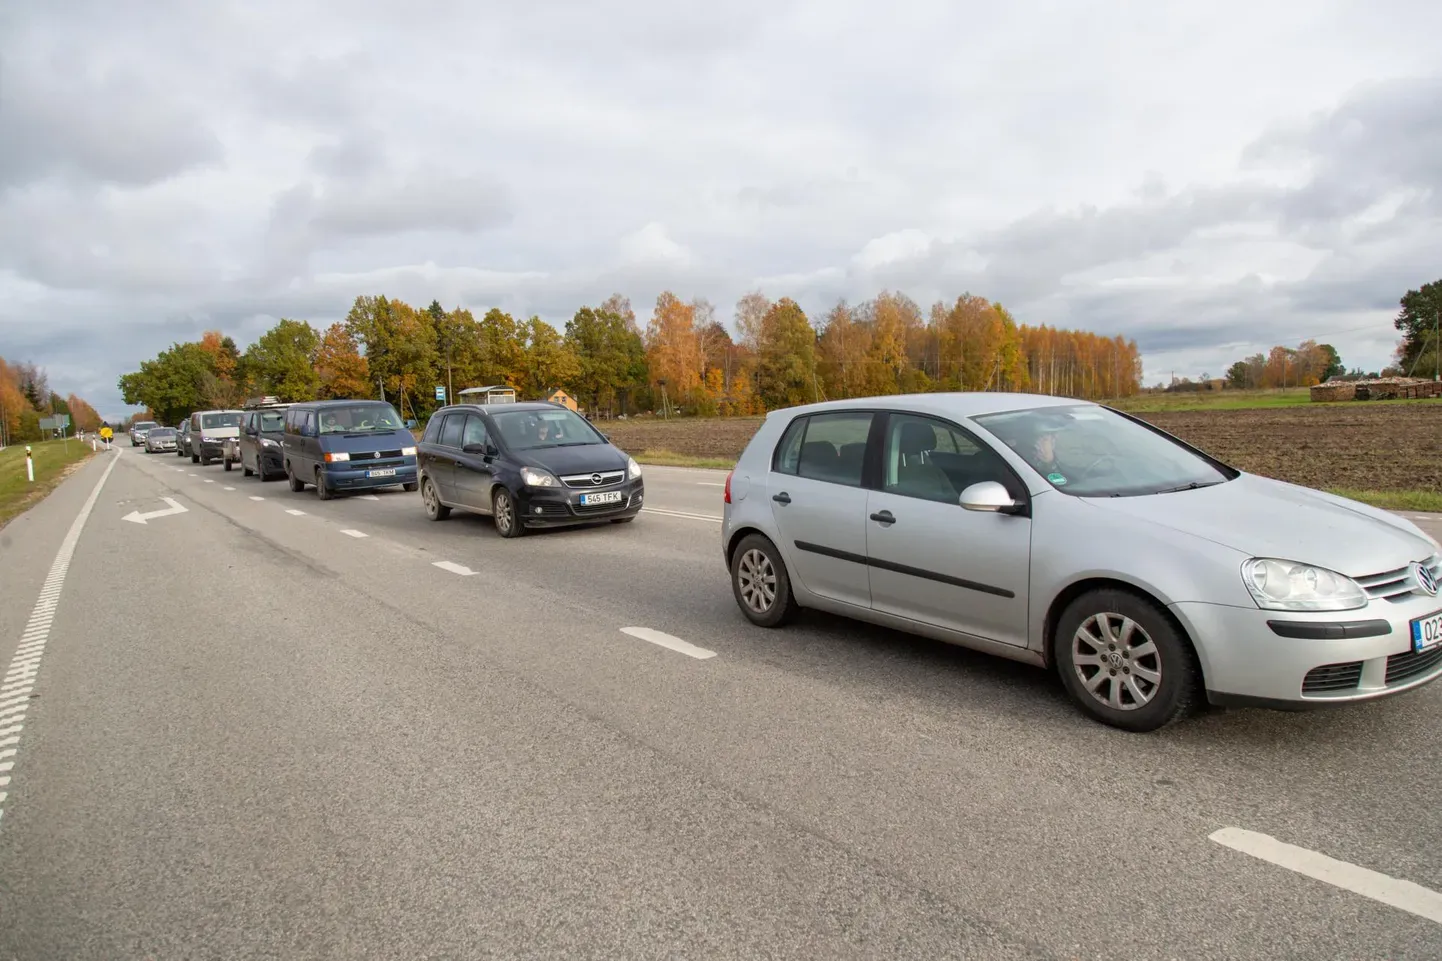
point(347, 445)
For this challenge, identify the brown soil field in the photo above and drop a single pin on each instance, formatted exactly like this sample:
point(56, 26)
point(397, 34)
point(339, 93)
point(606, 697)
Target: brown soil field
point(1395, 447)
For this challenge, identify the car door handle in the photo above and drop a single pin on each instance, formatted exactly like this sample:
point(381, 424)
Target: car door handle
point(884, 517)
point(782, 498)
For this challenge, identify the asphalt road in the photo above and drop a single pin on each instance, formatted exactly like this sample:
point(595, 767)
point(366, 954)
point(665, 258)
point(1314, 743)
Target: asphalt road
point(270, 727)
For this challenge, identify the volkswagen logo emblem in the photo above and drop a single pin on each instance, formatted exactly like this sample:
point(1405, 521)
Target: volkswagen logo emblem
point(1424, 579)
point(596, 479)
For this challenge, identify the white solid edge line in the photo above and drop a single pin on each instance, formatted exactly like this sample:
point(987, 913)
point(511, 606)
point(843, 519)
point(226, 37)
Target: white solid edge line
point(689, 516)
point(662, 639)
point(355, 533)
point(1404, 895)
point(709, 484)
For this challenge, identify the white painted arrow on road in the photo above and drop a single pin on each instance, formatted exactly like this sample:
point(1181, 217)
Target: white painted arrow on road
point(139, 518)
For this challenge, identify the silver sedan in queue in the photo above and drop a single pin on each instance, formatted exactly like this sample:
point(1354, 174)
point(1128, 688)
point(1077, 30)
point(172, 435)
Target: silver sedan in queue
point(1150, 576)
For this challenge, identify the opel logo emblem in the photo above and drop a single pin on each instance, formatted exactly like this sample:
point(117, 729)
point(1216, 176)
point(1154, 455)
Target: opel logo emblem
point(596, 479)
point(1425, 580)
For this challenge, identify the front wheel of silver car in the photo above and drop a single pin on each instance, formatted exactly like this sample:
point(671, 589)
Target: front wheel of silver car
point(760, 582)
point(1124, 661)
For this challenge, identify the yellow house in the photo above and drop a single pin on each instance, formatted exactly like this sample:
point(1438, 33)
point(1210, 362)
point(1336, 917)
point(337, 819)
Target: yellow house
point(559, 396)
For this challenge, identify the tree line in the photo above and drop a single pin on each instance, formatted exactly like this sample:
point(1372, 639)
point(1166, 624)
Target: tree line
point(685, 359)
point(25, 397)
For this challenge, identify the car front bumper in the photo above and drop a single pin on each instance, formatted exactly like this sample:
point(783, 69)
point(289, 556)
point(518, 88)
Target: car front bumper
point(271, 460)
point(345, 476)
point(212, 449)
point(1302, 660)
point(562, 507)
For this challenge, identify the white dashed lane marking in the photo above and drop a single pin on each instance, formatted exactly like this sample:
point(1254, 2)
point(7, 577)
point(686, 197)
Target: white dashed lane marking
point(295, 513)
point(256, 497)
point(19, 681)
point(662, 639)
point(454, 568)
point(355, 533)
point(230, 488)
point(1404, 895)
point(210, 481)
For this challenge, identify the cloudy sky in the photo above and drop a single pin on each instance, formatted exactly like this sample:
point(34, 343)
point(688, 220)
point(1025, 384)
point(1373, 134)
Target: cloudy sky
point(1207, 177)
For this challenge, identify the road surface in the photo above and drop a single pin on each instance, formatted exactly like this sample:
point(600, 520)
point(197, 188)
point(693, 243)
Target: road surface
point(262, 726)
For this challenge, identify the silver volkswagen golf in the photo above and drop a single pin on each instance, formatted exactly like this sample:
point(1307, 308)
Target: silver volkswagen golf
point(1072, 536)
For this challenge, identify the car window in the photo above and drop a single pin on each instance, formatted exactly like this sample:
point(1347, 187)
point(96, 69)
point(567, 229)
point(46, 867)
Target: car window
point(271, 421)
point(364, 418)
point(833, 447)
point(1091, 451)
point(788, 451)
point(931, 459)
point(308, 424)
point(433, 431)
point(225, 419)
point(533, 429)
point(451, 431)
point(475, 431)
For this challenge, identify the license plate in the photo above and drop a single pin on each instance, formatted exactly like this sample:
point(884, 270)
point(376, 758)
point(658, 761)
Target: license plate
point(606, 497)
point(382, 472)
point(1426, 632)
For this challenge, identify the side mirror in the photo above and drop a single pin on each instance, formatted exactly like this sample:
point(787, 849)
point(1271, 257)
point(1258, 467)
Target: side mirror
point(412, 424)
point(476, 449)
point(989, 496)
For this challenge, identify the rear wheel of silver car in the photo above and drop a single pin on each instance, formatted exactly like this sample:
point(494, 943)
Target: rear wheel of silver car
point(760, 582)
point(1124, 661)
point(435, 510)
point(503, 512)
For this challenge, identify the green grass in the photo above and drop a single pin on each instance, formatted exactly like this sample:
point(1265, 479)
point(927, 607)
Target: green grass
point(1422, 501)
point(51, 460)
point(1238, 400)
point(666, 458)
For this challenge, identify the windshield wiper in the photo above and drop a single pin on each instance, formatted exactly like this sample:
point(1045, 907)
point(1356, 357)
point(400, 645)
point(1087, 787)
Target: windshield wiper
point(576, 443)
point(1194, 485)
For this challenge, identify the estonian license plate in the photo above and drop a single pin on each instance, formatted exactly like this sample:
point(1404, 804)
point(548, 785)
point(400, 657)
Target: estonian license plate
point(606, 497)
point(382, 472)
point(1426, 632)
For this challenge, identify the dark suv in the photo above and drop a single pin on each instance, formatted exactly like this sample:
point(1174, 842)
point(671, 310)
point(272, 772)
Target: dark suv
point(259, 449)
point(527, 465)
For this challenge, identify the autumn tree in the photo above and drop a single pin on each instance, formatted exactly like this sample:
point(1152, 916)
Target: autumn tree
point(282, 362)
point(786, 365)
point(342, 371)
point(610, 357)
point(548, 361)
point(673, 351)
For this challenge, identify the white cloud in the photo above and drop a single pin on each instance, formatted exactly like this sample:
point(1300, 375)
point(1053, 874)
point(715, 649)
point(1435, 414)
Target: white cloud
point(1208, 179)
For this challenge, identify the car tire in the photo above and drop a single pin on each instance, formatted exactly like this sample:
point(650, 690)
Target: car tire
point(228, 464)
point(246, 471)
point(755, 565)
point(435, 510)
point(412, 487)
point(504, 514)
point(1125, 623)
point(296, 484)
point(322, 491)
point(195, 458)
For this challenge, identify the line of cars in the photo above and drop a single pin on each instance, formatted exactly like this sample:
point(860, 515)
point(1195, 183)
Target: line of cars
point(525, 465)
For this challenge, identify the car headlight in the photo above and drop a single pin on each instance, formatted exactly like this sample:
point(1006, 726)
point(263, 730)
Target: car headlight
point(337, 457)
point(537, 478)
point(633, 469)
point(408, 452)
point(1280, 585)
point(267, 442)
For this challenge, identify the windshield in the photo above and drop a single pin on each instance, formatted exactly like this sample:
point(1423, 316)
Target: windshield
point(531, 429)
point(227, 419)
point(145, 425)
point(359, 418)
point(272, 421)
point(1091, 451)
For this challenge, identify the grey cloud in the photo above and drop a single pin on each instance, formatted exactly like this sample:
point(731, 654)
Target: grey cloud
point(465, 203)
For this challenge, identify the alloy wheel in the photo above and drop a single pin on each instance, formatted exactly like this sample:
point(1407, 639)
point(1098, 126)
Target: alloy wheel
point(1116, 661)
point(756, 579)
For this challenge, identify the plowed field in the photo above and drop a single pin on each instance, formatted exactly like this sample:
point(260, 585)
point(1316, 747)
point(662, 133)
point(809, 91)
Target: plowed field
point(1393, 447)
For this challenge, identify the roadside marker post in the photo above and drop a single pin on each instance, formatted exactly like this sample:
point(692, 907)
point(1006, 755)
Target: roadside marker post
point(29, 465)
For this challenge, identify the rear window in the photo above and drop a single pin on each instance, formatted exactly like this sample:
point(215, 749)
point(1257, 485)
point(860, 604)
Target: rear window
point(227, 419)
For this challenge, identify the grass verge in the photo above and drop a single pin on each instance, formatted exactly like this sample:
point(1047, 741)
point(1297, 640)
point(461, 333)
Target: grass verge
point(666, 458)
point(53, 461)
point(1421, 501)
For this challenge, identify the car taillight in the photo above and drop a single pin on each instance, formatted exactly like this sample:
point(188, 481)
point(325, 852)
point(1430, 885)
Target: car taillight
point(728, 486)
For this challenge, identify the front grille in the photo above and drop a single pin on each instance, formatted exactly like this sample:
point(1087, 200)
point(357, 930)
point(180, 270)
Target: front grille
point(1400, 667)
point(619, 505)
point(549, 509)
point(1399, 582)
point(1332, 677)
point(374, 455)
point(608, 478)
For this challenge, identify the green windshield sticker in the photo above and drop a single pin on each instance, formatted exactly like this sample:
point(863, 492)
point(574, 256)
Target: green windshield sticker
point(1057, 479)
